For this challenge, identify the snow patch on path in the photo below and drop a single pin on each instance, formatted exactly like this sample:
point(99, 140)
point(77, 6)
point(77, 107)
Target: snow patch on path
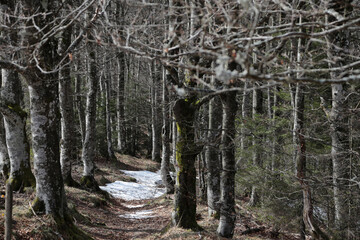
point(134, 206)
point(144, 188)
point(139, 215)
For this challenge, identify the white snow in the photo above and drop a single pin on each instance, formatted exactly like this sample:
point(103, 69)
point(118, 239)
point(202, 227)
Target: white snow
point(139, 214)
point(134, 206)
point(144, 188)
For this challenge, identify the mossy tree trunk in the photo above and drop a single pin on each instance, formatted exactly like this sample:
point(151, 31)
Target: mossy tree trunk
point(227, 183)
point(186, 152)
point(66, 92)
point(50, 194)
point(15, 118)
point(16, 139)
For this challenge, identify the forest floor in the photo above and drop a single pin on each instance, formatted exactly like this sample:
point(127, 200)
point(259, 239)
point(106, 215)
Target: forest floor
point(116, 218)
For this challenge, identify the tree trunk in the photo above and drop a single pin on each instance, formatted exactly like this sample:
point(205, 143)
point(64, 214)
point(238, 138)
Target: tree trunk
point(340, 155)
point(308, 219)
point(165, 161)
point(212, 156)
point(50, 194)
point(79, 102)
point(8, 210)
point(227, 183)
point(16, 139)
point(120, 103)
point(110, 152)
point(244, 115)
point(4, 156)
point(88, 152)
point(186, 152)
point(155, 153)
point(257, 109)
point(67, 147)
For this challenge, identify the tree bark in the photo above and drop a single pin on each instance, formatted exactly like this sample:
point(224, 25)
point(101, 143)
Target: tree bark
point(227, 183)
point(155, 133)
point(16, 139)
point(4, 156)
point(120, 103)
point(8, 210)
point(186, 152)
point(212, 156)
point(110, 151)
point(165, 161)
point(88, 152)
point(67, 147)
point(79, 101)
point(257, 109)
point(50, 194)
point(340, 154)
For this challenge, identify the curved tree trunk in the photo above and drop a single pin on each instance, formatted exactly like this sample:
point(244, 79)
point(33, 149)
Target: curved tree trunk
point(227, 183)
point(16, 139)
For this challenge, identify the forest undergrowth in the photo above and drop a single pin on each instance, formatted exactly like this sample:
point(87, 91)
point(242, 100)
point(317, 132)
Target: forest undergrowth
point(102, 217)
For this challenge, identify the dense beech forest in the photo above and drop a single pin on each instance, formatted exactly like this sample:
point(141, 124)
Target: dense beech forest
point(250, 102)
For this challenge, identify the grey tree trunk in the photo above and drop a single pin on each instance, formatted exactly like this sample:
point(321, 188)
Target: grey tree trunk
point(227, 183)
point(339, 132)
point(120, 103)
point(212, 158)
point(8, 211)
point(110, 151)
point(79, 101)
point(88, 151)
point(244, 116)
point(67, 147)
point(50, 194)
point(4, 156)
point(339, 120)
point(165, 161)
point(16, 140)
point(257, 109)
point(155, 133)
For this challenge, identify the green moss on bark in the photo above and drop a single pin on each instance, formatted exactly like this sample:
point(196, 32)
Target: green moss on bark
point(38, 206)
point(23, 178)
point(68, 230)
point(90, 183)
